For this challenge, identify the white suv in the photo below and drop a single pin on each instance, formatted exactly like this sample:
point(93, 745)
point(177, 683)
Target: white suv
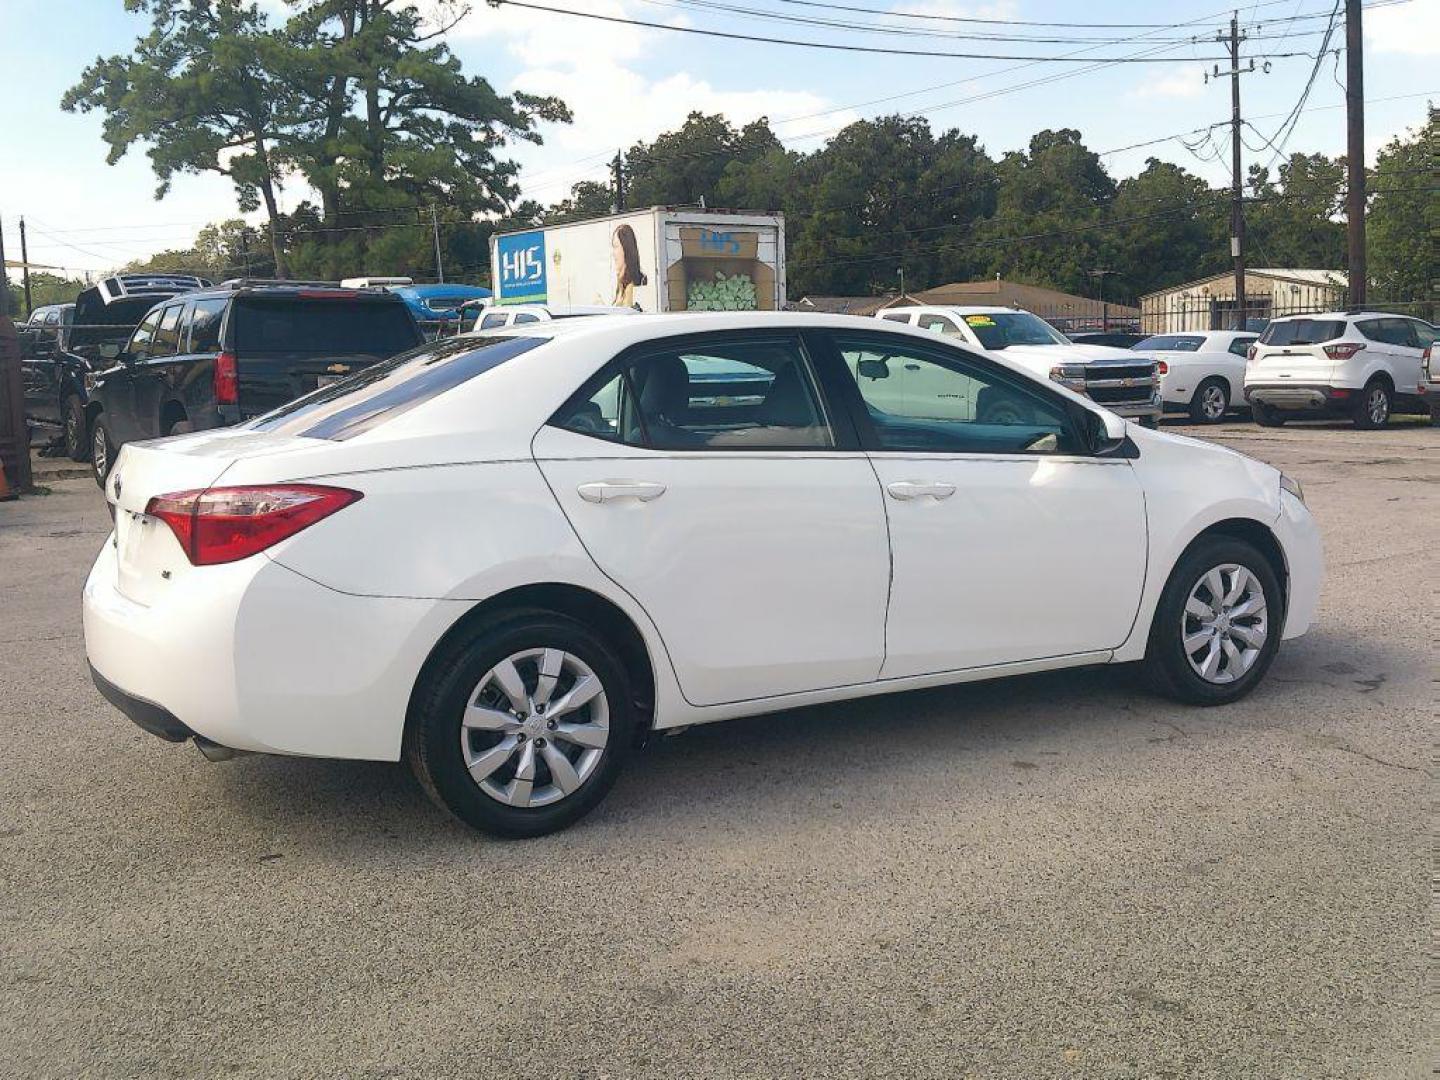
point(1360, 364)
point(1118, 379)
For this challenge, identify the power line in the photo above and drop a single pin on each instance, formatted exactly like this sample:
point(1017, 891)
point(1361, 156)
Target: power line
point(837, 46)
point(1013, 22)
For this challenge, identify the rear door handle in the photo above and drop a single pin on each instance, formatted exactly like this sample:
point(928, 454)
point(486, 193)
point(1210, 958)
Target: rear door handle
point(599, 491)
point(914, 489)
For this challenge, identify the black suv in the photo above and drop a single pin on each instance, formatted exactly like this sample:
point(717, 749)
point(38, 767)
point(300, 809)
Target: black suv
point(71, 340)
point(221, 355)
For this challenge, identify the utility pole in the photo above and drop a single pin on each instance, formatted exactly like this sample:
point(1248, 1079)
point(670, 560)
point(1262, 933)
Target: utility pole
point(617, 166)
point(435, 229)
point(1104, 308)
point(1237, 206)
point(902, 283)
point(25, 269)
point(4, 277)
point(245, 249)
point(1355, 150)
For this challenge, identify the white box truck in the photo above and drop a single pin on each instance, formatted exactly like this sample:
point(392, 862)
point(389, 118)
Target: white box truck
point(660, 259)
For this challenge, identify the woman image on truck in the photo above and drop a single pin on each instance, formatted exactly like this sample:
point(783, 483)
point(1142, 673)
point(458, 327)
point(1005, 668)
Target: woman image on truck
point(625, 255)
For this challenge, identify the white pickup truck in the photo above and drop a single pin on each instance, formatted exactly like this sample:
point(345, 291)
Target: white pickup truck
point(1122, 381)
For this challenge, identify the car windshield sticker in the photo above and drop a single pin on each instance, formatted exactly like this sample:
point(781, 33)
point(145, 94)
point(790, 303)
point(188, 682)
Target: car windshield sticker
point(979, 320)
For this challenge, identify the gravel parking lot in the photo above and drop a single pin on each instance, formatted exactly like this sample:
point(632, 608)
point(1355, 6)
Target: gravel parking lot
point(1051, 876)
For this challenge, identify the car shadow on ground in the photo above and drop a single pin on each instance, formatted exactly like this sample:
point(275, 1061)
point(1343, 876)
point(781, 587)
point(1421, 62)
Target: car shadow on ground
point(767, 769)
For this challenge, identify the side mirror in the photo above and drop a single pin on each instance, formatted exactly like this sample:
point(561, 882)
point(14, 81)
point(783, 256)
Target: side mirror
point(872, 369)
point(1107, 432)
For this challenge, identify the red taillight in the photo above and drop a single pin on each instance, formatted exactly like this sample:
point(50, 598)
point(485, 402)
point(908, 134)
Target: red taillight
point(226, 380)
point(220, 525)
point(1344, 350)
point(1162, 367)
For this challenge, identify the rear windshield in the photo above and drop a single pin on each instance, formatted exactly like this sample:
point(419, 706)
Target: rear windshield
point(1302, 332)
point(1172, 343)
point(395, 386)
point(300, 324)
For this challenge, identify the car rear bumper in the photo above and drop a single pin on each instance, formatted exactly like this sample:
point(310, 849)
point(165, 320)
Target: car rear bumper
point(1302, 397)
point(257, 657)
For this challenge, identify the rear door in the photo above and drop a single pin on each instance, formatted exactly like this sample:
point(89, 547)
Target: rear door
point(711, 481)
point(289, 343)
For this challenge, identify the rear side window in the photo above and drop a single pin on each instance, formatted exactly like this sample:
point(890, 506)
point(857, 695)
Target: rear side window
point(493, 320)
point(903, 317)
point(1241, 346)
point(724, 395)
point(205, 325)
point(1387, 331)
point(312, 325)
point(1302, 332)
point(1172, 343)
point(167, 338)
point(395, 386)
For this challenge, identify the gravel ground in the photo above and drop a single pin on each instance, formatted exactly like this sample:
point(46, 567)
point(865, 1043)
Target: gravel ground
point(1049, 876)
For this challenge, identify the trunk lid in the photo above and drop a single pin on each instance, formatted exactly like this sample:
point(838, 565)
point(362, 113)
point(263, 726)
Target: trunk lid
point(1291, 363)
point(149, 559)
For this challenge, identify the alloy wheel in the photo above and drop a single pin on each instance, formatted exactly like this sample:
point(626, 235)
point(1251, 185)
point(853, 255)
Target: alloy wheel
point(535, 728)
point(1224, 626)
point(1377, 405)
point(100, 452)
point(1213, 403)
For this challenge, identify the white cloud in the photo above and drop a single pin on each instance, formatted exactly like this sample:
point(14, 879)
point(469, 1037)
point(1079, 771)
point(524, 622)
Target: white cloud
point(1404, 28)
point(1176, 83)
point(605, 72)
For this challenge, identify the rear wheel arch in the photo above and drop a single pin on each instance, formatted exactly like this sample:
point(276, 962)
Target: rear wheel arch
point(576, 602)
point(171, 413)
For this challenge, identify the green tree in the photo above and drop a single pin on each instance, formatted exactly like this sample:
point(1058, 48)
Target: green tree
point(1295, 220)
point(1402, 225)
point(1166, 226)
point(200, 92)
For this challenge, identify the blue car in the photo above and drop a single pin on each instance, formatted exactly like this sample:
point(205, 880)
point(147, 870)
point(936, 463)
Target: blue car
point(438, 303)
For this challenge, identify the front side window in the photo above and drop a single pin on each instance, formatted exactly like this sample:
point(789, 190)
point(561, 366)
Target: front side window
point(525, 317)
point(922, 401)
point(938, 324)
point(738, 395)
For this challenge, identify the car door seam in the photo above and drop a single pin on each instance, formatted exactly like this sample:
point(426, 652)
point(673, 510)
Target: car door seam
point(890, 567)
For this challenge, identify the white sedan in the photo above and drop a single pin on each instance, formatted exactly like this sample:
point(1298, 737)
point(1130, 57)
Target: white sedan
point(508, 558)
point(1201, 373)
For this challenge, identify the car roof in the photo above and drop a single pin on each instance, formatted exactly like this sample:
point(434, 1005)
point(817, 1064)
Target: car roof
point(1362, 313)
point(318, 290)
point(957, 309)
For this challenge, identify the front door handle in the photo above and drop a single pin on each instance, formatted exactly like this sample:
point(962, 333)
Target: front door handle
point(914, 489)
point(599, 491)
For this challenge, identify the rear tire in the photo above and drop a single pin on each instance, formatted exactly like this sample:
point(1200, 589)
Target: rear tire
point(1265, 416)
point(1211, 401)
point(512, 771)
point(77, 445)
point(102, 451)
point(1371, 410)
point(1244, 638)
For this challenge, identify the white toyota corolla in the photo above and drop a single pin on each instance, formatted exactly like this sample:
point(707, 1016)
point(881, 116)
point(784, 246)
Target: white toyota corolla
point(508, 557)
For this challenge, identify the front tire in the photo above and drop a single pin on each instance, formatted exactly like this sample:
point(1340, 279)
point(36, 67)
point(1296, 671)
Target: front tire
point(1211, 401)
point(1372, 408)
point(522, 725)
point(1218, 623)
point(102, 451)
point(77, 445)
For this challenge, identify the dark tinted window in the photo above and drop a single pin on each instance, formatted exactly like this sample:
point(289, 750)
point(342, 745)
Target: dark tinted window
point(1172, 343)
point(1241, 346)
point(1302, 331)
point(1387, 331)
point(144, 336)
point(338, 326)
point(922, 400)
point(494, 319)
point(524, 318)
point(205, 325)
point(385, 390)
point(167, 337)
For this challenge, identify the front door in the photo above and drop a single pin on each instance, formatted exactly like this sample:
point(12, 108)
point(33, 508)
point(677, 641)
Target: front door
point(1010, 542)
point(708, 480)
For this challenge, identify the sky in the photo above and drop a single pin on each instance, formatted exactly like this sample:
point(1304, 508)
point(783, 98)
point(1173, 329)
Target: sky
point(626, 83)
